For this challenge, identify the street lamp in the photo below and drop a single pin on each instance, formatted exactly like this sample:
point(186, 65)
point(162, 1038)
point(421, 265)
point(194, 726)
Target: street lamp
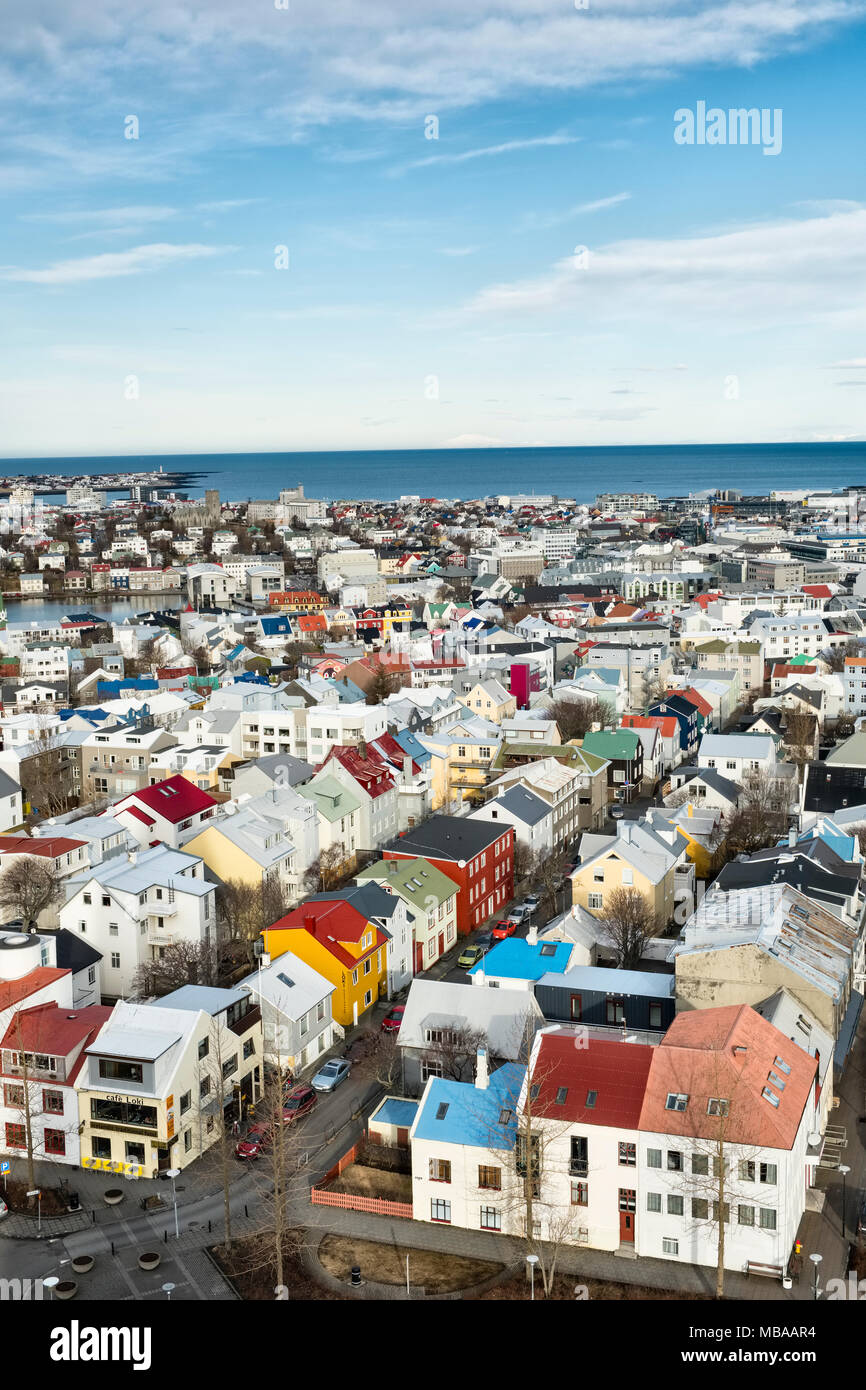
point(168, 1289)
point(173, 1173)
point(37, 1192)
point(532, 1261)
point(844, 1170)
point(51, 1283)
point(816, 1260)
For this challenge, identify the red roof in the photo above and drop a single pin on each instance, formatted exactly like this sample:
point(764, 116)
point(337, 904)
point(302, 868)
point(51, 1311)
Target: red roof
point(174, 799)
point(13, 991)
point(694, 698)
point(390, 749)
point(782, 669)
point(48, 848)
point(50, 1028)
point(140, 815)
point(817, 590)
point(665, 723)
point(372, 772)
point(616, 1071)
point(332, 922)
point(728, 1053)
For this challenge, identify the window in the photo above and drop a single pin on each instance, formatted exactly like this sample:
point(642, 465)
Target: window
point(249, 1048)
point(429, 1069)
point(653, 1158)
point(595, 901)
point(675, 1204)
point(368, 998)
point(676, 1101)
point(115, 960)
point(16, 1136)
point(747, 1170)
point(440, 1210)
point(52, 1102)
point(354, 977)
point(491, 1219)
point(204, 1087)
point(776, 1081)
point(670, 1247)
point(768, 1217)
point(655, 1016)
point(55, 1142)
point(746, 1215)
point(768, 1173)
point(185, 1102)
point(654, 1201)
point(771, 1096)
point(579, 1164)
point(700, 1208)
point(203, 1049)
point(489, 1177)
point(368, 965)
point(580, 1194)
point(440, 1170)
point(187, 1140)
point(715, 1106)
point(675, 1161)
point(112, 1070)
point(628, 1155)
point(229, 1066)
point(782, 1066)
point(100, 1147)
point(700, 1165)
point(615, 1011)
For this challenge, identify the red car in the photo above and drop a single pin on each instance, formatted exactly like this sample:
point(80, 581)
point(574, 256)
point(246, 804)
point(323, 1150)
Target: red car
point(258, 1138)
point(504, 928)
point(391, 1022)
point(298, 1102)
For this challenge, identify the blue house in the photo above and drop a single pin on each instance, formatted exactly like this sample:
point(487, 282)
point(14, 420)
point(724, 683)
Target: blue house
point(600, 996)
point(686, 715)
point(518, 964)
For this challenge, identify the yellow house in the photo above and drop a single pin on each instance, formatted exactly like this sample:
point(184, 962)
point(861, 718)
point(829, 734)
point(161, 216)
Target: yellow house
point(245, 847)
point(335, 939)
point(462, 758)
point(491, 700)
point(640, 858)
point(697, 852)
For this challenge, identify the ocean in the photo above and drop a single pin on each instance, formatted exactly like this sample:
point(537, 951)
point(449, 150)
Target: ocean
point(465, 473)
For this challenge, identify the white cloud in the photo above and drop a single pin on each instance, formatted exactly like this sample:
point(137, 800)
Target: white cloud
point(75, 216)
point(772, 272)
point(534, 221)
point(472, 441)
point(112, 263)
point(487, 151)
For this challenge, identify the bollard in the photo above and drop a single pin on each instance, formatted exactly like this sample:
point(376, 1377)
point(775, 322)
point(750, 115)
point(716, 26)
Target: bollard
point(356, 1276)
point(208, 1227)
point(112, 1249)
point(246, 1213)
point(93, 1217)
point(165, 1236)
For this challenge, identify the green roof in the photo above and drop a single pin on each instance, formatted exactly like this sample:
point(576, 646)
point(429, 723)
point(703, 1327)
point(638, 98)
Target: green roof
point(332, 799)
point(565, 752)
point(415, 880)
point(615, 744)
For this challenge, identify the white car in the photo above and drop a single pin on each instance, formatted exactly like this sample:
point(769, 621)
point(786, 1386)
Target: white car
point(4, 1210)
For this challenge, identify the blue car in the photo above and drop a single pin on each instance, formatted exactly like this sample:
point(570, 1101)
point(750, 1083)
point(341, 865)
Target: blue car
point(331, 1075)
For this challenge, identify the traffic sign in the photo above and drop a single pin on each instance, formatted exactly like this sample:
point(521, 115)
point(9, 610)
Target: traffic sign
point(5, 1167)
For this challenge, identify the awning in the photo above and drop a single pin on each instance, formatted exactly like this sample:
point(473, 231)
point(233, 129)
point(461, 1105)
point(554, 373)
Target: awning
point(848, 1031)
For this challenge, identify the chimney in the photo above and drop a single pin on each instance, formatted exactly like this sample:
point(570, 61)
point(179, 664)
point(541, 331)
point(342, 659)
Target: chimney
point(407, 770)
point(532, 936)
point(133, 856)
point(481, 1076)
point(309, 922)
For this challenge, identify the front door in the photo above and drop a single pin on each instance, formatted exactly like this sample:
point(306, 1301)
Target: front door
point(627, 1205)
point(442, 943)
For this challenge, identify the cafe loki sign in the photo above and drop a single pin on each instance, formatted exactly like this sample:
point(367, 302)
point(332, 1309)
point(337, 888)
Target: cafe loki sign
point(111, 1165)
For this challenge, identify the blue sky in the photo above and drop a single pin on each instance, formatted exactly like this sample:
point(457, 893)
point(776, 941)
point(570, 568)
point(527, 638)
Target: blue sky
point(432, 295)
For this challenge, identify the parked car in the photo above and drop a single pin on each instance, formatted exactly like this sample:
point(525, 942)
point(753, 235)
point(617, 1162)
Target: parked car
point(531, 901)
point(4, 1210)
point(331, 1075)
point(391, 1022)
point(258, 1138)
point(484, 939)
point(617, 813)
point(520, 913)
point(861, 1219)
point(297, 1103)
point(471, 955)
point(507, 927)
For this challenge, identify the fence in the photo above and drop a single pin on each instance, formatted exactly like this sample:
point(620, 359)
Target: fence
point(377, 1206)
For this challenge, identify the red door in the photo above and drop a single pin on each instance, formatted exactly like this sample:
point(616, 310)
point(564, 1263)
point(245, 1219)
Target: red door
point(419, 957)
point(627, 1204)
point(442, 943)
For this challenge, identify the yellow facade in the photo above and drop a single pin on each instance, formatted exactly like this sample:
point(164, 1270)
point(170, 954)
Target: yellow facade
point(479, 701)
point(593, 883)
point(223, 858)
point(357, 985)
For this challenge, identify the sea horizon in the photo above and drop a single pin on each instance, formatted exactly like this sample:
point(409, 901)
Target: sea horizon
point(579, 471)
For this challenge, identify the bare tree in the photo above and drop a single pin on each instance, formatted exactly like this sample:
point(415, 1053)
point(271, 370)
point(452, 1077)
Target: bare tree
point(383, 684)
point(182, 963)
point(246, 909)
point(800, 738)
point(575, 718)
point(28, 886)
point(330, 869)
point(836, 656)
point(631, 923)
point(47, 770)
point(451, 1051)
point(760, 818)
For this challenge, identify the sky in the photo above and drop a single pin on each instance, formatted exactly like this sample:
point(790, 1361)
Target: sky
point(231, 225)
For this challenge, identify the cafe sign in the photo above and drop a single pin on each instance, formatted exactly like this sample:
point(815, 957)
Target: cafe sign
point(110, 1165)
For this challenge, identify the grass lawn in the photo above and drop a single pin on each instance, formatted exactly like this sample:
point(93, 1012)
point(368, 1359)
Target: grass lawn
point(373, 1182)
point(386, 1264)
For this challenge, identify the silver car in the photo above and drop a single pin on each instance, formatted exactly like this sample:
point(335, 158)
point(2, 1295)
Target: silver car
point(331, 1075)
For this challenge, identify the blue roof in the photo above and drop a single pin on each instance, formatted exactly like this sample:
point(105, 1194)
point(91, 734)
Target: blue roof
point(836, 839)
point(515, 959)
point(205, 997)
point(459, 1112)
point(275, 625)
point(608, 980)
point(113, 689)
point(235, 652)
point(395, 1111)
point(410, 744)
